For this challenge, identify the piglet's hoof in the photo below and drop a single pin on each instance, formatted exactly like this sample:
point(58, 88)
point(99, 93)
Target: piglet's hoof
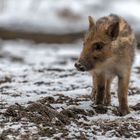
point(124, 112)
point(101, 109)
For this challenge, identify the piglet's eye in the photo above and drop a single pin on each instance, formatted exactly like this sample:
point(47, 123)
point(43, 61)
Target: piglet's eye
point(98, 45)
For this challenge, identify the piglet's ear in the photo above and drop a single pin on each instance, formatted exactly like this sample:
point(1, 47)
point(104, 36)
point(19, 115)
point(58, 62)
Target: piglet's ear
point(113, 30)
point(91, 22)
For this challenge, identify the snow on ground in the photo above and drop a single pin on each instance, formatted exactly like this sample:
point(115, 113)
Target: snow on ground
point(63, 16)
point(34, 78)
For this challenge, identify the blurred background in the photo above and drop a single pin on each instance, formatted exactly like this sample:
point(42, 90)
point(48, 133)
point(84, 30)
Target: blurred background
point(60, 21)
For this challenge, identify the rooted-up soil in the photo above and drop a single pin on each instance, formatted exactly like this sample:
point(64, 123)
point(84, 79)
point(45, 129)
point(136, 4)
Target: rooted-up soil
point(44, 97)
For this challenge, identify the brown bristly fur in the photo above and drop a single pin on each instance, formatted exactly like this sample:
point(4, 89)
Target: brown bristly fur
point(108, 51)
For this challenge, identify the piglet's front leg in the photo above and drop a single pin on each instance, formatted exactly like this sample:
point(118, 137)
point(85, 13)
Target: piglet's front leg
point(94, 88)
point(123, 94)
point(100, 89)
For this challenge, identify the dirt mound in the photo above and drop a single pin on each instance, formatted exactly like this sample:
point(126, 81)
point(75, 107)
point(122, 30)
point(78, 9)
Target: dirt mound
point(51, 121)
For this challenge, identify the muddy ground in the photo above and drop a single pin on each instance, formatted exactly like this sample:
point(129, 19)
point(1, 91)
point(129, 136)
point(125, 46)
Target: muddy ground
point(44, 97)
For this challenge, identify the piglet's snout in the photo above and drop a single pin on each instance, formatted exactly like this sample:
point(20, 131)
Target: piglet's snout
point(79, 66)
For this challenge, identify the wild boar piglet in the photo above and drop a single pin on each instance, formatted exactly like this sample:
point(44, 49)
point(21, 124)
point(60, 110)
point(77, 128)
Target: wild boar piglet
point(108, 51)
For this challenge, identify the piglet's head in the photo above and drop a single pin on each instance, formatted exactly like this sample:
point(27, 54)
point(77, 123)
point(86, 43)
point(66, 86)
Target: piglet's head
point(97, 45)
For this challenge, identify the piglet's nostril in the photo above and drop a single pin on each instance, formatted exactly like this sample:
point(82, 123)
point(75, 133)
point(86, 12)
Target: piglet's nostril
point(77, 65)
